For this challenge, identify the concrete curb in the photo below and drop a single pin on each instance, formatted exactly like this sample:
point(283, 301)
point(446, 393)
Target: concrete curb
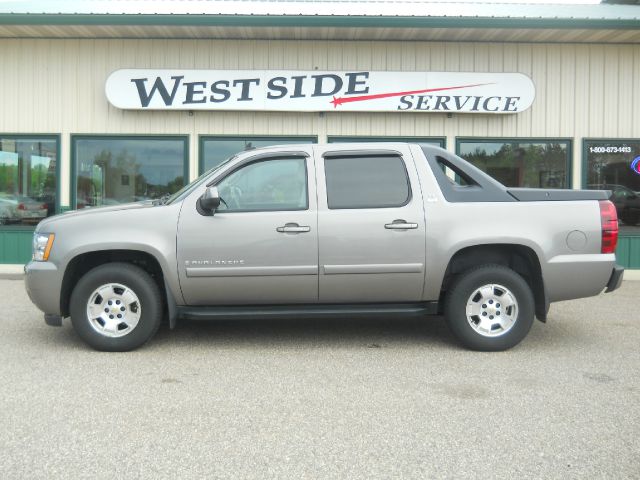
point(11, 272)
point(633, 275)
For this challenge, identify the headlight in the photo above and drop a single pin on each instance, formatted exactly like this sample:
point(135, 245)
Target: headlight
point(42, 243)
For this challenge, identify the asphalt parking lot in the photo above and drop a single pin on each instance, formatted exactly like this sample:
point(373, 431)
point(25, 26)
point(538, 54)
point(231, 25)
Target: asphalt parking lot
point(324, 399)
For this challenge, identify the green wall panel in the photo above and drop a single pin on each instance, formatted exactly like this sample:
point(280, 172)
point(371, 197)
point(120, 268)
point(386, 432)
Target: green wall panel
point(15, 246)
point(628, 252)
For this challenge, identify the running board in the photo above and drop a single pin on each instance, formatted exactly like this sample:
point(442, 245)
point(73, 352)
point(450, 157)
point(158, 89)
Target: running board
point(307, 311)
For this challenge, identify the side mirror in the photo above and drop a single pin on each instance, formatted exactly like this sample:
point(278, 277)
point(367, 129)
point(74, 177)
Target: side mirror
point(209, 201)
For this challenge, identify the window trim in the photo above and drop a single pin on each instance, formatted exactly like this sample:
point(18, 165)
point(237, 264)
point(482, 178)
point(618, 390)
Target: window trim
point(137, 136)
point(204, 138)
point(442, 141)
point(392, 154)
point(568, 141)
point(303, 156)
point(361, 153)
point(48, 136)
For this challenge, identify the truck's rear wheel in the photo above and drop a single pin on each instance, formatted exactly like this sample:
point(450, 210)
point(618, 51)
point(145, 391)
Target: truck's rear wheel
point(116, 307)
point(490, 308)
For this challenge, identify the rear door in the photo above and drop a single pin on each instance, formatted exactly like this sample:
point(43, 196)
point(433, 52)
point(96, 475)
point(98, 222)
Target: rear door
point(371, 225)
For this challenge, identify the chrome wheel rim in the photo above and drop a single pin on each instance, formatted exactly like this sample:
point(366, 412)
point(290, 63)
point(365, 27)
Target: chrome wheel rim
point(113, 310)
point(492, 310)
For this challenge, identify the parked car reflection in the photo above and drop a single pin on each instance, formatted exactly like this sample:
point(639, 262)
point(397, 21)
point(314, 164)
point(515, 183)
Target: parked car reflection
point(21, 209)
point(8, 210)
point(30, 210)
point(626, 201)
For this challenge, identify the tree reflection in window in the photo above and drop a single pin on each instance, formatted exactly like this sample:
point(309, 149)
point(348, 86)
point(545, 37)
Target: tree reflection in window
point(534, 164)
point(116, 170)
point(27, 179)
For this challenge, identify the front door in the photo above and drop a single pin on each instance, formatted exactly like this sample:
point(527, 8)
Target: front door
point(371, 226)
point(261, 245)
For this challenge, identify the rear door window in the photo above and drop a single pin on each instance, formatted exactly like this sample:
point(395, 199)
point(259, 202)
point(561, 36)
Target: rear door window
point(378, 181)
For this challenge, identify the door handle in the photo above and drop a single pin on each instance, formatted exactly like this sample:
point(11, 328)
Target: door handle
point(293, 228)
point(400, 224)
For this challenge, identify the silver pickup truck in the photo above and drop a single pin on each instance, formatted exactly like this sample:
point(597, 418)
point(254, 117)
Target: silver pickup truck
point(315, 230)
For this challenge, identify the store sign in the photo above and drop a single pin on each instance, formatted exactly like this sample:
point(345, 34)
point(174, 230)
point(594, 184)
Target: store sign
point(318, 91)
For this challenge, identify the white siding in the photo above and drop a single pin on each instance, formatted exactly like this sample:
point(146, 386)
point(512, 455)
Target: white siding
point(57, 86)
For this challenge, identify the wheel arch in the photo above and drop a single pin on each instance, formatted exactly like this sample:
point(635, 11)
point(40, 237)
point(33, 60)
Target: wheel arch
point(520, 258)
point(84, 262)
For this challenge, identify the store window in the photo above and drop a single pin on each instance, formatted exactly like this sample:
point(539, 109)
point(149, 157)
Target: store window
point(437, 141)
point(28, 179)
point(539, 163)
point(214, 150)
point(615, 165)
point(113, 170)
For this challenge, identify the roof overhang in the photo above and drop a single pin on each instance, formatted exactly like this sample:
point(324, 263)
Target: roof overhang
point(354, 20)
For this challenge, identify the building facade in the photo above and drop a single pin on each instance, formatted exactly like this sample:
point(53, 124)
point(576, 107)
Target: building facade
point(63, 145)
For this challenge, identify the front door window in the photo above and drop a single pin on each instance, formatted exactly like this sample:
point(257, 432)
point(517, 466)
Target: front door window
point(271, 185)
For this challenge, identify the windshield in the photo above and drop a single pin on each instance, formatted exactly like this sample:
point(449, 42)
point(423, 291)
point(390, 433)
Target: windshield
point(187, 189)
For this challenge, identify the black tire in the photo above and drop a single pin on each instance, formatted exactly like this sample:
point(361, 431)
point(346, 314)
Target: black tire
point(134, 278)
point(460, 293)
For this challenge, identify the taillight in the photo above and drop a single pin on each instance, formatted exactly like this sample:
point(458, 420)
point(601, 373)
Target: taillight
point(44, 206)
point(609, 222)
point(21, 206)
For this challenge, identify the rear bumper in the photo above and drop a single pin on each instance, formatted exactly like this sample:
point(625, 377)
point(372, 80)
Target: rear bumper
point(616, 279)
point(577, 276)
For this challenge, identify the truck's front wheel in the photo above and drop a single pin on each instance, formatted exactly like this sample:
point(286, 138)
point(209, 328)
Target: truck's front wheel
point(116, 307)
point(490, 308)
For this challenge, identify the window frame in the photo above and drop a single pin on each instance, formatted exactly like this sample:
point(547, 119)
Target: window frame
point(391, 154)
point(442, 141)
point(47, 136)
point(138, 136)
point(203, 138)
point(568, 141)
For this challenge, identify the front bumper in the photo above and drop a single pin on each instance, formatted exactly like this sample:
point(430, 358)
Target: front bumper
point(616, 279)
point(43, 282)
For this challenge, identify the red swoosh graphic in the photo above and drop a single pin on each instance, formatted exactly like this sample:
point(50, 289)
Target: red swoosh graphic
point(341, 100)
